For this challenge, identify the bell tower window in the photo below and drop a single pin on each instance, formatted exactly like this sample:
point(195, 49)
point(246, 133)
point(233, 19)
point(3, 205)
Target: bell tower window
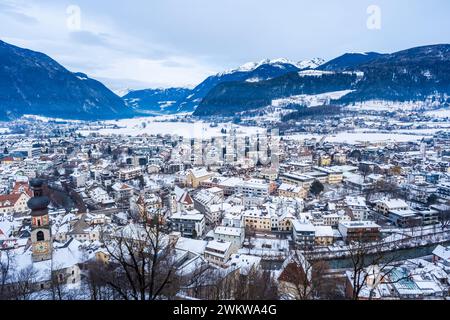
point(40, 236)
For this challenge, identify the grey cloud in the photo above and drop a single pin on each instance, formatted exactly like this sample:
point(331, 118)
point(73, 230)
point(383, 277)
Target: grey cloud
point(14, 12)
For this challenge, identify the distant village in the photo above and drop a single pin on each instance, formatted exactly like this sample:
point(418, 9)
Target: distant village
point(147, 217)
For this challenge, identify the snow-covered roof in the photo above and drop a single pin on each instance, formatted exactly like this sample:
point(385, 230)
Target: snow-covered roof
point(324, 231)
point(229, 231)
point(215, 245)
point(191, 245)
point(303, 226)
point(442, 252)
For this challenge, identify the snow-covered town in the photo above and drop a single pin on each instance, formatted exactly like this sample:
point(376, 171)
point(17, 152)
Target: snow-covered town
point(224, 159)
point(201, 216)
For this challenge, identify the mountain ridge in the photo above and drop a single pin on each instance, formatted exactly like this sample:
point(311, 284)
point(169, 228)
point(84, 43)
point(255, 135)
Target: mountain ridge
point(33, 83)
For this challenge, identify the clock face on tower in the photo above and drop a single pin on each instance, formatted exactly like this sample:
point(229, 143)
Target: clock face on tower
point(41, 247)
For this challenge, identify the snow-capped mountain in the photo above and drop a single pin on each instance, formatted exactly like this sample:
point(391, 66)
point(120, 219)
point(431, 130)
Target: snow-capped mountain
point(250, 72)
point(278, 63)
point(411, 75)
point(33, 83)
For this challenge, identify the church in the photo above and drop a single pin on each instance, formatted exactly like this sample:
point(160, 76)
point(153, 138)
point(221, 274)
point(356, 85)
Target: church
point(44, 263)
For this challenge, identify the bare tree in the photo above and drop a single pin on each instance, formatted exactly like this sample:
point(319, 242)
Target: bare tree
point(444, 217)
point(142, 265)
point(6, 262)
point(57, 281)
point(23, 284)
point(255, 284)
point(363, 255)
point(96, 282)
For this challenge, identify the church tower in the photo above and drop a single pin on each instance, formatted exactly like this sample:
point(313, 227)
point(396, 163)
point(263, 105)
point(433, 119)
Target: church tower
point(41, 237)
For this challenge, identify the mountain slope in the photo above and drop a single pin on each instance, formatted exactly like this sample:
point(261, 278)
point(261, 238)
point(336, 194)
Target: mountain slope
point(232, 97)
point(33, 83)
point(349, 61)
point(156, 100)
point(410, 75)
point(250, 72)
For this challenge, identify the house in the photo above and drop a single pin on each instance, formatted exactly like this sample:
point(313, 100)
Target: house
point(428, 216)
point(100, 196)
point(303, 233)
point(190, 223)
point(404, 218)
point(256, 219)
point(301, 180)
point(218, 252)
point(254, 188)
point(324, 236)
point(385, 205)
point(181, 200)
point(14, 203)
point(442, 254)
point(359, 231)
point(79, 178)
point(245, 263)
point(333, 219)
point(334, 176)
point(195, 176)
point(234, 235)
point(229, 185)
point(130, 173)
point(444, 191)
point(209, 202)
point(122, 192)
point(292, 191)
point(357, 207)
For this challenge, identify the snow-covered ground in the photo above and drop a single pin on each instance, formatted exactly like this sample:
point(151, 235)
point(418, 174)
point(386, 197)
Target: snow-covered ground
point(311, 100)
point(355, 138)
point(153, 126)
point(46, 119)
point(4, 130)
point(375, 105)
point(442, 113)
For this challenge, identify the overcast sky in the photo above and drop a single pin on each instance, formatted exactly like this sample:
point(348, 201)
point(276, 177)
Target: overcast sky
point(163, 43)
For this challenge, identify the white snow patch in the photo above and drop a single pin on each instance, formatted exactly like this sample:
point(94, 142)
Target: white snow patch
point(311, 100)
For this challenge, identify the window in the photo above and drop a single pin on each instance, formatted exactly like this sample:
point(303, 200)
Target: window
point(40, 236)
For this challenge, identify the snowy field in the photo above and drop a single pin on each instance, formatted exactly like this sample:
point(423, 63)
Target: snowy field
point(4, 130)
point(47, 119)
point(385, 106)
point(355, 138)
point(442, 113)
point(311, 100)
point(153, 126)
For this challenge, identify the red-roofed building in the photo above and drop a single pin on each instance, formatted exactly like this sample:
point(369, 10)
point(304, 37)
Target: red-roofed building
point(13, 203)
point(22, 187)
point(7, 160)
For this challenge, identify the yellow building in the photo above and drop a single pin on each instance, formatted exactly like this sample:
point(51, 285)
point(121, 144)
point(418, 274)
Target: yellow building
point(292, 191)
point(102, 257)
point(196, 176)
point(257, 220)
point(325, 161)
point(324, 236)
